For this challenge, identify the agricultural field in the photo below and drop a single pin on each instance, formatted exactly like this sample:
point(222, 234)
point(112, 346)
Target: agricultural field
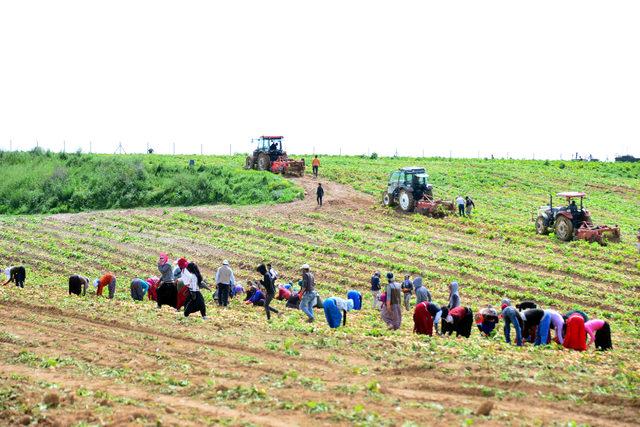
point(91, 361)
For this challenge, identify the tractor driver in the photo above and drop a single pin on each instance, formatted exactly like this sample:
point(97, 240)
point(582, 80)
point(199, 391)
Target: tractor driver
point(573, 208)
point(273, 146)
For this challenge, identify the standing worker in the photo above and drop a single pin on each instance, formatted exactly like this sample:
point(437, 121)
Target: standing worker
point(407, 290)
point(469, 205)
point(375, 289)
point(224, 281)
point(315, 164)
point(319, 194)
point(391, 309)
point(308, 292)
point(460, 203)
point(422, 293)
point(192, 279)
point(270, 290)
point(17, 275)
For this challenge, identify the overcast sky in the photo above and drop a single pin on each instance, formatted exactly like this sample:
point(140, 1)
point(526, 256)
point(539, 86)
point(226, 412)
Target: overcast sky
point(544, 77)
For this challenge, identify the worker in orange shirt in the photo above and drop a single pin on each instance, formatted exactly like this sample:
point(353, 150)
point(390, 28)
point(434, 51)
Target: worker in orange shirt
point(108, 280)
point(315, 164)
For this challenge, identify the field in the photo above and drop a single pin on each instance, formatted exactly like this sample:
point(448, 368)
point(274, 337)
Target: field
point(90, 361)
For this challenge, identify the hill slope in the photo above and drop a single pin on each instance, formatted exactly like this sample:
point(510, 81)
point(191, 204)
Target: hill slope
point(122, 360)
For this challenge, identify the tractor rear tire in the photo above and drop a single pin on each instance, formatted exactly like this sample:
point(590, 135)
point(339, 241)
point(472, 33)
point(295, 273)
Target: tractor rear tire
point(387, 199)
point(564, 228)
point(541, 228)
point(406, 202)
point(264, 162)
point(248, 164)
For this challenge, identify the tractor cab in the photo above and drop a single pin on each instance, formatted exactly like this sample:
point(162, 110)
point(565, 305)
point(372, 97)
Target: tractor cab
point(272, 145)
point(577, 214)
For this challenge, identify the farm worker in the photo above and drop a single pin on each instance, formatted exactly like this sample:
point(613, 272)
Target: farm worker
point(532, 318)
point(335, 310)
point(237, 290)
point(436, 313)
point(356, 297)
point(308, 292)
point(293, 301)
point(422, 319)
point(600, 332)
point(458, 320)
point(108, 280)
point(166, 272)
point(283, 293)
point(273, 273)
point(576, 335)
point(78, 285)
point(319, 194)
point(270, 290)
point(153, 282)
point(16, 275)
point(315, 164)
point(224, 281)
point(525, 305)
point(543, 336)
point(375, 289)
point(558, 324)
point(460, 203)
point(407, 288)
point(422, 293)
point(192, 280)
point(580, 312)
point(469, 205)
point(391, 309)
point(486, 320)
point(511, 316)
point(254, 295)
point(139, 289)
point(454, 296)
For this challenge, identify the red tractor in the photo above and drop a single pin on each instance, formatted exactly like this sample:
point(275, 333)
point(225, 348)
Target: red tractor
point(573, 222)
point(269, 155)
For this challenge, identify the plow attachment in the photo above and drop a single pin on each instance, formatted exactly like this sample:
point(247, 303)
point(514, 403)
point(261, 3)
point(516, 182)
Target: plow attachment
point(598, 233)
point(288, 167)
point(435, 208)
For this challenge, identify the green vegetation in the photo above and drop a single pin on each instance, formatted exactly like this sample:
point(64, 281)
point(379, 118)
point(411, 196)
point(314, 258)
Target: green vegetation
point(45, 182)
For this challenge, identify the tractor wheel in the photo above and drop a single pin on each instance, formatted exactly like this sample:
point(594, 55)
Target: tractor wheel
point(264, 162)
point(564, 228)
point(248, 164)
point(540, 227)
point(387, 199)
point(406, 202)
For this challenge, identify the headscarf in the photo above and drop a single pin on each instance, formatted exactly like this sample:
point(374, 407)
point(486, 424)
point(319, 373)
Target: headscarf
point(7, 272)
point(182, 263)
point(417, 282)
point(163, 259)
point(453, 288)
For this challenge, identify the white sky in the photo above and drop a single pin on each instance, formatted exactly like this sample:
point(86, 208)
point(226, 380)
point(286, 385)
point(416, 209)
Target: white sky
point(548, 77)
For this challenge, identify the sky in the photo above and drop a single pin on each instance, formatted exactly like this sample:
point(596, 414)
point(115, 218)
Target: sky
point(538, 79)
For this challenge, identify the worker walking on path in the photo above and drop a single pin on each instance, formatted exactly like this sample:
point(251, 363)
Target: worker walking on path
point(315, 164)
point(308, 292)
point(460, 202)
point(319, 194)
point(17, 275)
point(224, 281)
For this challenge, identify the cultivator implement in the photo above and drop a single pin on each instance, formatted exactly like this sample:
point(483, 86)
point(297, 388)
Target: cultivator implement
point(598, 233)
point(288, 167)
point(435, 208)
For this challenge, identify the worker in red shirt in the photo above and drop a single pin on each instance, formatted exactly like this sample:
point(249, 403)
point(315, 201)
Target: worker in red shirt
point(108, 280)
